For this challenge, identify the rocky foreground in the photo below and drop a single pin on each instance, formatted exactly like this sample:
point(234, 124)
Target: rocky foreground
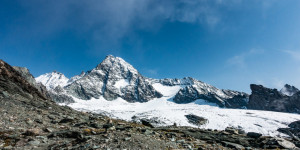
point(30, 120)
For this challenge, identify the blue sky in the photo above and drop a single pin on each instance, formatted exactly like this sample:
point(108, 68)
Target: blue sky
point(226, 43)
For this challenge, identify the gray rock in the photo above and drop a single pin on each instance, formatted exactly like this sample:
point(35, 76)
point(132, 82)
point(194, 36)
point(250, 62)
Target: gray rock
point(24, 72)
point(263, 98)
point(34, 143)
point(233, 145)
point(181, 141)
point(254, 135)
point(196, 120)
point(146, 122)
point(285, 144)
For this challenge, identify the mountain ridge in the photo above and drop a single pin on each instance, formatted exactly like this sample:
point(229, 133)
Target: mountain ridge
point(114, 77)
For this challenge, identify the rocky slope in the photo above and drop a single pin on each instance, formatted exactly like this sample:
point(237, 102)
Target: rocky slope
point(263, 98)
point(115, 78)
point(29, 120)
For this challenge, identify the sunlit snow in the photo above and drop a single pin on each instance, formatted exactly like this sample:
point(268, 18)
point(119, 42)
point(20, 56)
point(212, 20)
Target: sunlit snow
point(168, 113)
point(166, 90)
point(121, 83)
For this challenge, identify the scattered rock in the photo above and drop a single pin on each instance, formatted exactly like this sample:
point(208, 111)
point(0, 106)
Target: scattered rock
point(66, 134)
point(233, 145)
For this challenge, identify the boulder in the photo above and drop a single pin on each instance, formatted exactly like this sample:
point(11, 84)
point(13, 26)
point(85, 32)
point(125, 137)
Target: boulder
point(196, 120)
point(254, 135)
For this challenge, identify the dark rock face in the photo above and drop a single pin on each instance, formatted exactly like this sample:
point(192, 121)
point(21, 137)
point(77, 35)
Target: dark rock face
point(111, 79)
point(263, 98)
point(24, 72)
point(201, 90)
point(13, 84)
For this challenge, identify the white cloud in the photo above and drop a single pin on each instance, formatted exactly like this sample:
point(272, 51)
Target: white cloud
point(241, 59)
point(114, 19)
point(294, 54)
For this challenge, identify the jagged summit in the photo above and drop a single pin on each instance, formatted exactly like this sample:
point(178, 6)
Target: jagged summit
point(289, 90)
point(52, 80)
point(111, 63)
point(115, 78)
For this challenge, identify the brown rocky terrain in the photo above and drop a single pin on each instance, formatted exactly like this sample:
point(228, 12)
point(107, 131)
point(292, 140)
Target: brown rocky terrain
point(30, 120)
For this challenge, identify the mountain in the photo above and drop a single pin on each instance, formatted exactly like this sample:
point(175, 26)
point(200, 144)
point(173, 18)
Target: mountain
point(52, 80)
point(263, 98)
point(115, 78)
point(32, 121)
point(111, 79)
point(29, 120)
point(289, 90)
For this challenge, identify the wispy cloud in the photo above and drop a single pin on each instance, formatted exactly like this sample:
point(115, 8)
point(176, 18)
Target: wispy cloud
point(151, 72)
point(241, 59)
point(111, 20)
point(294, 54)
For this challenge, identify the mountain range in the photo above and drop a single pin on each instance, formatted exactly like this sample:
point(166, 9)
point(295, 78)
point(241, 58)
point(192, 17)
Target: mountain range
point(164, 107)
point(115, 78)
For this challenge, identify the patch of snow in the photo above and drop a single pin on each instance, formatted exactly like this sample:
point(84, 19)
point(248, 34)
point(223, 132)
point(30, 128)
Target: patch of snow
point(169, 113)
point(286, 92)
point(165, 90)
point(121, 83)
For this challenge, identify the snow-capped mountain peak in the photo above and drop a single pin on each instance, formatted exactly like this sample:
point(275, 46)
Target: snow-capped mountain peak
point(289, 90)
point(52, 80)
point(115, 78)
point(116, 64)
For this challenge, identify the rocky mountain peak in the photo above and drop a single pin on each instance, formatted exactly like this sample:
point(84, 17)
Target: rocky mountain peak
point(113, 78)
point(289, 90)
point(115, 65)
point(53, 79)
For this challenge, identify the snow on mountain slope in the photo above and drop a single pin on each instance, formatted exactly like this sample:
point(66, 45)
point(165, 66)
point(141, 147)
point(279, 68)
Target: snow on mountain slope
point(114, 87)
point(165, 90)
point(167, 112)
point(75, 78)
point(52, 80)
point(289, 90)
